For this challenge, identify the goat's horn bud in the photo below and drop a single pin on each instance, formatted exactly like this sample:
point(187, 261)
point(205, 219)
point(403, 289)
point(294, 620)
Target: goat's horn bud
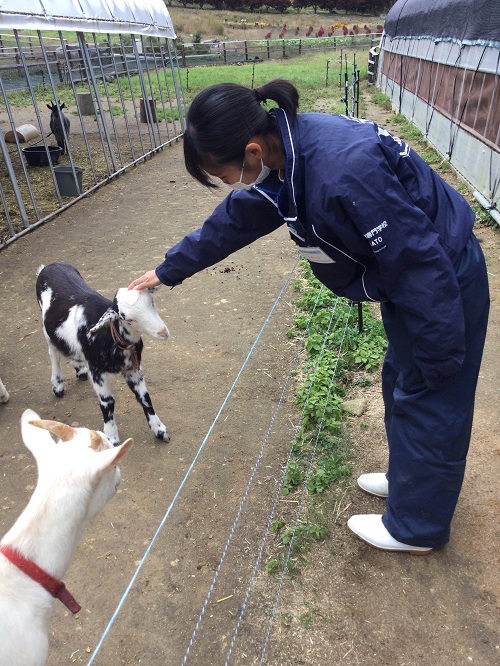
point(61, 430)
point(96, 441)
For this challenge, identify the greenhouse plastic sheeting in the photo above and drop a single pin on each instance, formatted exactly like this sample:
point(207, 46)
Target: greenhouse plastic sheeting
point(467, 21)
point(144, 17)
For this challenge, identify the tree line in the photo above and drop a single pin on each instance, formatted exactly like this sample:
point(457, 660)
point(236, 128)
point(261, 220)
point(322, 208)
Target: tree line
point(371, 7)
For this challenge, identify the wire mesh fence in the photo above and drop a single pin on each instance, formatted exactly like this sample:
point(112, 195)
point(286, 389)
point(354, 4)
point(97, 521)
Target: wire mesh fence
point(215, 52)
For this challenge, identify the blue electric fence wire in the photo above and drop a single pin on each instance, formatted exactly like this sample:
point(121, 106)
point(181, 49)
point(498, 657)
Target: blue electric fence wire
point(280, 485)
point(250, 481)
point(276, 499)
point(190, 469)
point(308, 474)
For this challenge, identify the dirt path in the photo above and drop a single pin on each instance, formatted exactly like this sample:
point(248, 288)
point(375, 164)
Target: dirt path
point(349, 604)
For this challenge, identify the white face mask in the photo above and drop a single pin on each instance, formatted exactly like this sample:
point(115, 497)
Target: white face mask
point(264, 173)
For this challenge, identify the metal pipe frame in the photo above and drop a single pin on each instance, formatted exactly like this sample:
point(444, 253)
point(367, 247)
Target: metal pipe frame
point(43, 63)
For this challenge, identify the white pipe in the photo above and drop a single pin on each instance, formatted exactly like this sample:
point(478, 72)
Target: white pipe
point(495, 214)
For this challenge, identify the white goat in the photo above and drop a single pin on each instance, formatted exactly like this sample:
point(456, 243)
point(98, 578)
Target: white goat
point(77, 475)
point(100, 337)
point(4, 394)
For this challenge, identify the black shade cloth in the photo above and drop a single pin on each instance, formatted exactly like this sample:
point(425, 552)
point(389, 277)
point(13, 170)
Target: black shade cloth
point(470, 21)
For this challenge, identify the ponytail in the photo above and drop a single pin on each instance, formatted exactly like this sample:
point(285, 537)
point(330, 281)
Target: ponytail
point(223, 117)
point(283, 93)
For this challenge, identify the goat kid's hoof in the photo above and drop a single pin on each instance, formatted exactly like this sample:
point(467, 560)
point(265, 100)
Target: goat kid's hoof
point(58, 392)
point(82, 376)
point(164, 435)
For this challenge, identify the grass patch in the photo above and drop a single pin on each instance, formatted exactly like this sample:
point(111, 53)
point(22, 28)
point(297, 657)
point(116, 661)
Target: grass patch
point(410, 132)
point(307, 73)
point(482, 215)
point(445, 166)
point(320, 452)
point(383, 100)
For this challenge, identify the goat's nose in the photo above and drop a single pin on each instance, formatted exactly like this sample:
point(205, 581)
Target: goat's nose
point(164, 333)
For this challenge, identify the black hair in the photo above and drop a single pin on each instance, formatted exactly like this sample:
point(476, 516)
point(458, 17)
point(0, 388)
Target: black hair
point(223, 117)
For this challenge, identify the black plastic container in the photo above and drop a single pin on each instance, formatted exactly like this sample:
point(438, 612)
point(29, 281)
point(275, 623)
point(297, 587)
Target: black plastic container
point(37, 155)
point(66, 180)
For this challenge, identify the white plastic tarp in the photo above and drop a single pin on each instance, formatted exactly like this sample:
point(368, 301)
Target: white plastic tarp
point(144, 17)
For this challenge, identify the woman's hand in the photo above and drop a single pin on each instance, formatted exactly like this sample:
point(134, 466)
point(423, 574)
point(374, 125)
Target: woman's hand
point(146, 281)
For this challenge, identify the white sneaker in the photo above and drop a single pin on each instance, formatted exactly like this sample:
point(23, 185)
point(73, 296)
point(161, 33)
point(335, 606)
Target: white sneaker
point(371, 529)
point(375, 483)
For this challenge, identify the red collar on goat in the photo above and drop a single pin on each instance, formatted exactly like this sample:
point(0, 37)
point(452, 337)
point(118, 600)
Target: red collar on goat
point(55, 587)
point(124, 346)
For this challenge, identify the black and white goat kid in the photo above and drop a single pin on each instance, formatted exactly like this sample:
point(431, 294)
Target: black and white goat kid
point(100, 337)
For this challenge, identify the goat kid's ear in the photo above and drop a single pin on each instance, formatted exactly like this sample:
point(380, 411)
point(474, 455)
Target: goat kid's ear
point(110, 457)
point(105, 320)
point(60, 430)
point(34, 438)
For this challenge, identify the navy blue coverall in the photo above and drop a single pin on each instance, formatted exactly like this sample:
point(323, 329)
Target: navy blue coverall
point(378, 224)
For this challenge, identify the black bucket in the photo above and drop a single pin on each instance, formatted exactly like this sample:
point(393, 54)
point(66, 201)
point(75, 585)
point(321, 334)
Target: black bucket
point(37, 155)
point(66, 180)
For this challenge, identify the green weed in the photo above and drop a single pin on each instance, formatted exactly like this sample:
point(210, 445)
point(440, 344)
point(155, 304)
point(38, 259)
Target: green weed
point(273, 567)
point(410, 132)
point(293, 477)
point(327, 471)
point(382, 100)
point(334, 346)
point(302, 537)
point(364, 382)
point(430, 156)
point(308, 618)
point(482, 215)
point(277, 525)
point(370, 352)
